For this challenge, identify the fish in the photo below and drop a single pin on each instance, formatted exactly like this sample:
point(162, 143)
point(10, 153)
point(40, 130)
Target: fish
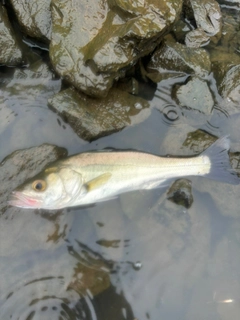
point(91, 177)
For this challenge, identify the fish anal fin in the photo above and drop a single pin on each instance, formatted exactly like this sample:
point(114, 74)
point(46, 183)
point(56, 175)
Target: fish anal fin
point(97, 182)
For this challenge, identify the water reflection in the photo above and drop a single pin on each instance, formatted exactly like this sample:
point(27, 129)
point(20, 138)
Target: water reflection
point(136, 257)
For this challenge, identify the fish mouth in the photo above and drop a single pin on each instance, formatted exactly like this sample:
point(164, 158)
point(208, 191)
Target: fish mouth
point(18, 199)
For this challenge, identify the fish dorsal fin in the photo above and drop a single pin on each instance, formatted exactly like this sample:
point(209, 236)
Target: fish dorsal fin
point(98, 181)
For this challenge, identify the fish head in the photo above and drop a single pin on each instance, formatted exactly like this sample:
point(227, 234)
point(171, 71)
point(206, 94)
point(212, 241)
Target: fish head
point(54, 188)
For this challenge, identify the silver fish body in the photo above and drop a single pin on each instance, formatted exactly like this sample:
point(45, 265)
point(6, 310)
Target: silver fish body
point(97, 176)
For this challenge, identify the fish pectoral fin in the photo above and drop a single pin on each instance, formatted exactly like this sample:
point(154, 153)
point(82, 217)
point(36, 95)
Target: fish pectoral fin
point(97, 182)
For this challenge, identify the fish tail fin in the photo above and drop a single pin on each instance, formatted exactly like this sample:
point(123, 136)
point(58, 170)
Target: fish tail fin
point(221, 169)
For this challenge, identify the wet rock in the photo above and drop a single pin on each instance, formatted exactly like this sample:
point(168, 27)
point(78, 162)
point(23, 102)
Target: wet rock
point(226, 62)
point(208, 19)
point(230, 39)
point(23, 164)
point(180, 193)
point(114, 35)
point(226, 70)
point(173, 59)
point(196, 38)
point(172, 143)
point(222, 62)
point(196, 95)
point(10, 53)
point(230, 86)
point(231, 3)
point(197, 141)
point(34, 17)
point(223, 194)
point(180, 29)
point(94, 118)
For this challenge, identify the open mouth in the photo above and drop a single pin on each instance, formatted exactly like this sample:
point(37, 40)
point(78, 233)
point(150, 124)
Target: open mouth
point(18, 199)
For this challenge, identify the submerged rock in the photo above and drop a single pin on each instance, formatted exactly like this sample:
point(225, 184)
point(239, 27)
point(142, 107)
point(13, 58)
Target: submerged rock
point(22, 165)
point(208, 19)
point(230, 86)
point(233, 3)
point(34, 17)
point(10, 53)
point(223, 194)
point(230, 39)
point(93, 118)
point(173, 59)
point(114, 35)
point(180, 193)
point(226, 70)
point(196, 95)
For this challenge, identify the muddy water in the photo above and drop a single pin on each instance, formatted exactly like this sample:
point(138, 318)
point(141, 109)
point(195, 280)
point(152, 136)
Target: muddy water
point(136, 257)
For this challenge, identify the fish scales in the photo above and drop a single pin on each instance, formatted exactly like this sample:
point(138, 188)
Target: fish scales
point(97, 176)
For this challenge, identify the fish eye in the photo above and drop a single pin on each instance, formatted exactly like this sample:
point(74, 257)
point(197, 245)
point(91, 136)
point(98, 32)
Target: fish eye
point(39, 185)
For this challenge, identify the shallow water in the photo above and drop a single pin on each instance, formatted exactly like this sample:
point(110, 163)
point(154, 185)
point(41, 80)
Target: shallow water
point(136, 257)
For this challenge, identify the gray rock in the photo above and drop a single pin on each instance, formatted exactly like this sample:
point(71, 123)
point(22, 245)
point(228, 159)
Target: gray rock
point(230, 39)
point(224, 195)
point(114, 35)
point(173, 59)
point(196, 95)
point(93, 118)
point(10, 53)
point(196, 38)
point(208, 19)
point(23, 164)
point(232, 3)
point(180, 193)
point(34, 17)
point(230, 86)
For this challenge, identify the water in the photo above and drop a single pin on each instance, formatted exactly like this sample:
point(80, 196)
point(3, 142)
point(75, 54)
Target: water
point(139, 256)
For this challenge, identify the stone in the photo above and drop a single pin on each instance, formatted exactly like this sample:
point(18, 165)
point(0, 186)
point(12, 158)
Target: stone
point(196, 95)
point(173, 59)
point(114, 35)
point(93, 118)
point(208, 19)
point(34, 16)
point(10, 53)
point(180, 193)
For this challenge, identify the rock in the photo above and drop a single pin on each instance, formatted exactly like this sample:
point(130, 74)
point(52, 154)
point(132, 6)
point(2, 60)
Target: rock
point(231, 3)
point(114, 35)
point(180, 193)
point(10, 53)
point(196, 38)
point(223, 194)
point(173, 59)
point(172, 143)
point(197, 141)
point(208, 19)
point(196, 95)
point(230, 86)
point(93, 118)
point(226, 70)
point(24, 164)
point(230, 41)
point(34, 16)
point(180, 29)
point(222, 62)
